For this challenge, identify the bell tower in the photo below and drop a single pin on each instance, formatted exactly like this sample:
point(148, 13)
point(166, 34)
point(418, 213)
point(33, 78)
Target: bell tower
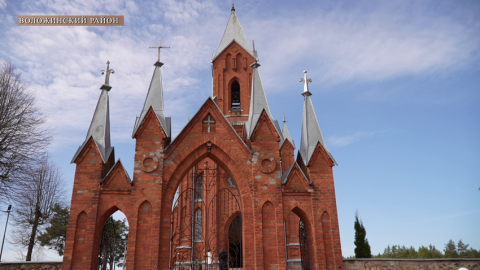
point(232, 74)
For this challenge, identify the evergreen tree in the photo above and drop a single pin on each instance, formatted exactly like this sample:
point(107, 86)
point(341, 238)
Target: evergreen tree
point(55, 234)
point(450, 250)
point(362, 248)
point(121, 239)
point(462, 249)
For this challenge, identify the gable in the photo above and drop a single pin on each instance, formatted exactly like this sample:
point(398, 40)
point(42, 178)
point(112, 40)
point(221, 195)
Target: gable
point(234, 49)
point(294, 180)
point(88, 148)
point(197, 130)
point(265, 129)
point(117, 178)
point(150, 124)
point(321, 155)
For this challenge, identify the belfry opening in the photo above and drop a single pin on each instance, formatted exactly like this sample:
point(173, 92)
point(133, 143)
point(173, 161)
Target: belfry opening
point(228, 191)
point(235, 92)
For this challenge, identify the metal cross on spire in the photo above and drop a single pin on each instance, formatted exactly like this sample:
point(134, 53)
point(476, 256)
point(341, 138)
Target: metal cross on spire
point(159, 47)
point(284, 118)
point(305, 81)
point(254, 51)
point(107, 72)
point(255, 56)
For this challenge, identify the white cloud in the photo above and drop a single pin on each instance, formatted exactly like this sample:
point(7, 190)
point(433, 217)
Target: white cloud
point(339, 141)
point(378, 44)
point(63, 63)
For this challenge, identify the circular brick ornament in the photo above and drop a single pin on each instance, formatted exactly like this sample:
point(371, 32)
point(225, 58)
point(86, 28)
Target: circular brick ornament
point(267, 165)
point(234, 49)
point(149, 164)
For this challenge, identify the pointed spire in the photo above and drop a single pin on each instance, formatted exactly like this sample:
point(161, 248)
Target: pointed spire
point(286, 134)
point(154, 100)
point(233, 32)
point(258, 102)
point(100, 126)
point(311, 133)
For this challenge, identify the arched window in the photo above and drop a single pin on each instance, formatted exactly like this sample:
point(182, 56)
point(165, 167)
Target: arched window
point(199, 188)
point(235, 91)
point(198, 225)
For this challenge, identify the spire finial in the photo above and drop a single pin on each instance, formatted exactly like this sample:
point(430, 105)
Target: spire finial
point(305, 81)
point(255, 56)
point(158, 63)
point(233, 5)
point(284, 118)
point(106, 85)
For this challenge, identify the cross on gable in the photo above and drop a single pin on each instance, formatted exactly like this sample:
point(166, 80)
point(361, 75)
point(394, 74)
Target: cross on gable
point(159, 47)
point(209, 121)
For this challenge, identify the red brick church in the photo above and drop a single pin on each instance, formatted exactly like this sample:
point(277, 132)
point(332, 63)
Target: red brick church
point(226, 193)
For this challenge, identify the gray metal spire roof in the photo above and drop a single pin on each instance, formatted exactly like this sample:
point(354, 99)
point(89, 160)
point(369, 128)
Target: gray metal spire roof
point(154, 99)
point(258, 103)
point(311, 133)
point(286, 134)
point(233, 32)
point(99, 128)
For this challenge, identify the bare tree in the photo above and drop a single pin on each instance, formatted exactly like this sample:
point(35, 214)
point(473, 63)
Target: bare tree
point(22, 135)
point(41, 190)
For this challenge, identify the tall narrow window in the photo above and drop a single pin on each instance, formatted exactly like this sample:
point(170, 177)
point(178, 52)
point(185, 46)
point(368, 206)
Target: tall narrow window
point(199, 188)
point(235, 95)
point(198, 225)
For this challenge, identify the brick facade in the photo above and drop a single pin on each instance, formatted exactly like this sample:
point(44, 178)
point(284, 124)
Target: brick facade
point(270, 206)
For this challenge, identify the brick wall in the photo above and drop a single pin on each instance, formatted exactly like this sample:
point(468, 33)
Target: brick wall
point(410, 264)
point(31, 266)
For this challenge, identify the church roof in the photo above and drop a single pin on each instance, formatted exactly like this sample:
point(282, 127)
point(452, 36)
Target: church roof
point(154, 100)
point(311, 133)
point(286, 135)
point(233, 32)
point(99, 129)
point(258, 103)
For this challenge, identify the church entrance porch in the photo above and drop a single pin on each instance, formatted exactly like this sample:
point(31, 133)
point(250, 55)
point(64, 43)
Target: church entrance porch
point(206, 226)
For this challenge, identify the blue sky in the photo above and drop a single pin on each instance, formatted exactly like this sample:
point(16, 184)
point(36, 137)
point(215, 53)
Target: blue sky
point(396, 89)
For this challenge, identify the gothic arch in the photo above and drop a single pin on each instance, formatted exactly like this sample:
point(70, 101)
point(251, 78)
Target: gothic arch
point(269, 235)
point(231, 218)
point(228, 90)
point(80, 238)
point(194, 157)
point(307, 221)
point(327, 240)
point(100, 222)
point(233, 79)
point(262, 202)
point(240, 61)
point(227, 159)
point(143, 235)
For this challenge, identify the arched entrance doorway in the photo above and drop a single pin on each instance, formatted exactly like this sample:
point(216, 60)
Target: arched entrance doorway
point(204, 204)
point(235, 243)
point(303, 238)
point(106, 257)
